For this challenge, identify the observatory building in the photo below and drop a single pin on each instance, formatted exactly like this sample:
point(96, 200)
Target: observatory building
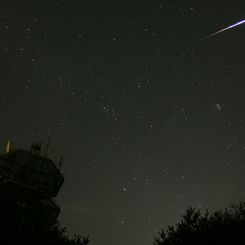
point(29, 181)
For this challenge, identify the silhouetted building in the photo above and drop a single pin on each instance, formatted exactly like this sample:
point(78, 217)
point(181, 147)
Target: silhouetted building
point(28, 182)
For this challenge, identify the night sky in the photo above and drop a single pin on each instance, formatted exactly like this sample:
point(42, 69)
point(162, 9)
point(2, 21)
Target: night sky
point(148, 112)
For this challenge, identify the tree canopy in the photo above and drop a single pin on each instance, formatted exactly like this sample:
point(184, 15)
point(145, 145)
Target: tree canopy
point(220, 227)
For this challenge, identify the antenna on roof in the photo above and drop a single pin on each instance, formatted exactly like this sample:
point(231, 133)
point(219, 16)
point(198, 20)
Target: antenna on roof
point(61, 161)
point(36, 148)
point(46, 147)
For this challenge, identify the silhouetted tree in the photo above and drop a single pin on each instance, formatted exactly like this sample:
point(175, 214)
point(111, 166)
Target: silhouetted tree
point(221, 227)
point(26, 233)
point(22, 224)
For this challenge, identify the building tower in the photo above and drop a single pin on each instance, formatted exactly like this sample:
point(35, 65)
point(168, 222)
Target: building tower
point(29, 181)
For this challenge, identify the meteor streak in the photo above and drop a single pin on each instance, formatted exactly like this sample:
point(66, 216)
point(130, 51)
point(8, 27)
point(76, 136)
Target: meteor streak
point(227, 28)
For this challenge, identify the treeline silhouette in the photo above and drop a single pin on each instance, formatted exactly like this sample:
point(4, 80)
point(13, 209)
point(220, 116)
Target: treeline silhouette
point(220, 227)
point(21, 224)
point(26, 223)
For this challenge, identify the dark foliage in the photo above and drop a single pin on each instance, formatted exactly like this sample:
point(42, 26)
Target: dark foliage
point(221, 227)
point(27, 234)
point(16, 231)
point(23, 223)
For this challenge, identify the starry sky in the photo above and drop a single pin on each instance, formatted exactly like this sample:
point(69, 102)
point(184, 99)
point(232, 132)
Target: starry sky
point(148, 112)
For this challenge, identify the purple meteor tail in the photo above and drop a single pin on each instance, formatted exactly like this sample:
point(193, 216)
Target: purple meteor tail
point(227, 28)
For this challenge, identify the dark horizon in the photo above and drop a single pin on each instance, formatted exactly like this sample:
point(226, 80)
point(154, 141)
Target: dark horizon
point(147, 112)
